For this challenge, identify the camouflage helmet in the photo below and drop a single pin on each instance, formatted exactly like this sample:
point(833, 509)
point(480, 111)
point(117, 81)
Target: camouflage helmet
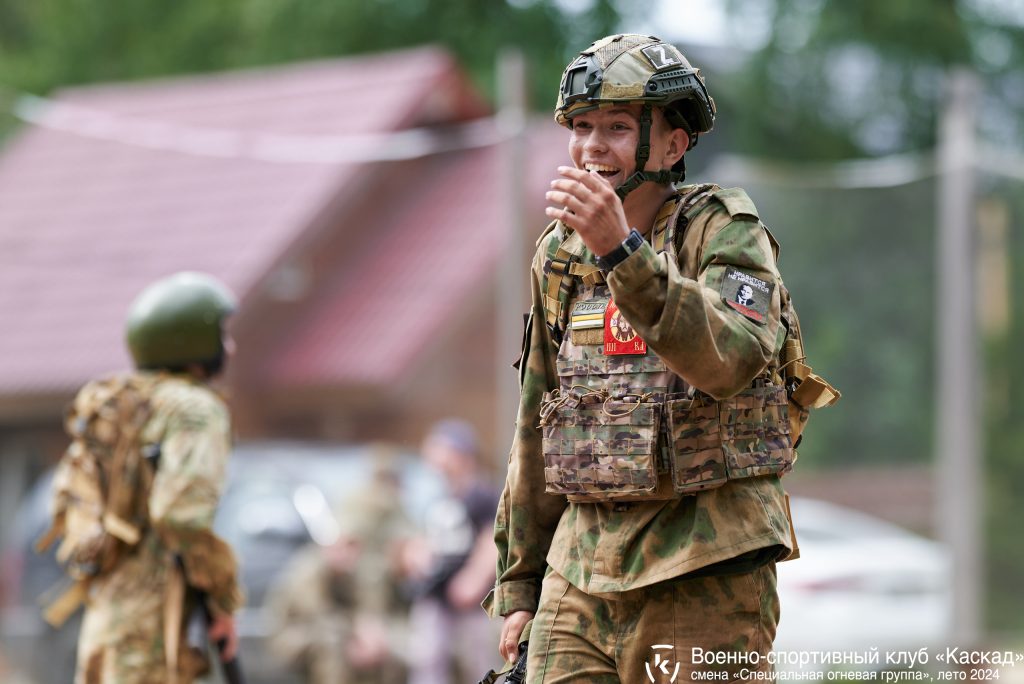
point(636, 68)
point(177, 321)
point(633, 68)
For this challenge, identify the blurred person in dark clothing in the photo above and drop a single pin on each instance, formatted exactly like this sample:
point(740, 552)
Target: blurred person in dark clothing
point(456, 560)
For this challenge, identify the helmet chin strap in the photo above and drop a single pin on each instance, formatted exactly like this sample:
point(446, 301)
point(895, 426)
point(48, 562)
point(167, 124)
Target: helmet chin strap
point(643, 153)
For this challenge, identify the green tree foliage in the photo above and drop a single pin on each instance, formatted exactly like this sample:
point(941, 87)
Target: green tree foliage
point(865, 314)
point(838, 79)
point(49, 43)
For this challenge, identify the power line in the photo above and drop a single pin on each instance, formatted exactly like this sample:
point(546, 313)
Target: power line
point(413, 143)
point(999, 162)
point(854, 174)
point(224, 143)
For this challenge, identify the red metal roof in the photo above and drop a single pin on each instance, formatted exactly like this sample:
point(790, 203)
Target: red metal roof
point(87, 220)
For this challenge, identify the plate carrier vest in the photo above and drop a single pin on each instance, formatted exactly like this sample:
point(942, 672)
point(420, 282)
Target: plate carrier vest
point(628, 428)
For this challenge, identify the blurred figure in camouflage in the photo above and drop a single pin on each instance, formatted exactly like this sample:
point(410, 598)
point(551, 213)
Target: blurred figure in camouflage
point(136, 493)
point(338, 612)
point(452, 640)
point(643, 513)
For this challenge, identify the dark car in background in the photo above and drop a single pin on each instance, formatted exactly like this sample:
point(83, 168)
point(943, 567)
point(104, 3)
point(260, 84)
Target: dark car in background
point(280, 496)
point(47, 655)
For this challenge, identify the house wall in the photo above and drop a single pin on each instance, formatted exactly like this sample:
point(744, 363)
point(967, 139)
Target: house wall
point(454, 376)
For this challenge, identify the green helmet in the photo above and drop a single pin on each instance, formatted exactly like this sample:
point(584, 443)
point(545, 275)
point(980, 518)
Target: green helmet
point(632, 68)
point(177, 321)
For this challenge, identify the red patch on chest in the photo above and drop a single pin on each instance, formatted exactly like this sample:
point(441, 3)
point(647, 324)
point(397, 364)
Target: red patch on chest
point(619, 336)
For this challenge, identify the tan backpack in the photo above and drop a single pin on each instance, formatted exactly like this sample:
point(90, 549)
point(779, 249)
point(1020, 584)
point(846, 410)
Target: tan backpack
point(102, 484)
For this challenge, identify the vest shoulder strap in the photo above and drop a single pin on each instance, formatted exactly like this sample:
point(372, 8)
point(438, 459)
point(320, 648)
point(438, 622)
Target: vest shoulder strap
point(690, 204)
point(737, 202)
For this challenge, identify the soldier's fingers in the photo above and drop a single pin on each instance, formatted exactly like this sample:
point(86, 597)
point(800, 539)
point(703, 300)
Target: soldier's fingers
point(230, 641)
point(566, 184)
point(566, 199)
point(509, 640)
point(595, 192)
point(216, 631)
point(591, 180)
point(561, 214)
point(594, 182)
point(598, 183)
point(572, 172)
point(222, 631)
point(571, 186)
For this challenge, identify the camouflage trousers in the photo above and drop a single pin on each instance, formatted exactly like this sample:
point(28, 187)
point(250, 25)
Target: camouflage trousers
point(122, 641)
point(651, 634)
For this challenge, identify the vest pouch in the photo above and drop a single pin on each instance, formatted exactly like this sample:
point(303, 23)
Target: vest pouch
point(602, 450)
point(697, 460)
point(798, 417)
point(756, 432)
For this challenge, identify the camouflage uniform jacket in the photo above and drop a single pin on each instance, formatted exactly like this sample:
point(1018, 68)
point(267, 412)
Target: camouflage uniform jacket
point(123, 634)
point(677, 308)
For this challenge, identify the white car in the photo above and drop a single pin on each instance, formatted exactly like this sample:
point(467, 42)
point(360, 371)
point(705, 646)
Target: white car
point(860, 583)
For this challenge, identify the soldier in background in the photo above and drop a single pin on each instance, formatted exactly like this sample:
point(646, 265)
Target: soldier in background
point(451, 636)
point(136, 493)
point(643, 514)
point(339, 613)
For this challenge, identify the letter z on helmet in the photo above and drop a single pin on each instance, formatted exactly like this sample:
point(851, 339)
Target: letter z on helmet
point(632, 68)
point(178, 321)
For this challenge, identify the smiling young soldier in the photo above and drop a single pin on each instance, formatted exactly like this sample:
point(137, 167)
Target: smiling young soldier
point(643, 513)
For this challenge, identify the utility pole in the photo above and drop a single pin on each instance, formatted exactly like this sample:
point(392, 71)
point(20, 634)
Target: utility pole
point(512, 283)
point(958, 412)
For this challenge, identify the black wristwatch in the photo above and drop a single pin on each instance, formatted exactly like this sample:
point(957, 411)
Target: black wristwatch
point(633, 242)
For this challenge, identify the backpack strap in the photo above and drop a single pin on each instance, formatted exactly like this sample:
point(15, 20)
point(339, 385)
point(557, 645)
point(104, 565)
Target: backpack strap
point(687, 208)
point(565, 261)
point(173, 618)
point(64, 605)
point(661, 223)
point(129, 475)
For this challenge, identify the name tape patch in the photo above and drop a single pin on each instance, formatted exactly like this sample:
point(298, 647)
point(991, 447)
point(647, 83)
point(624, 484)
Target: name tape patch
point(747, 294)
point(589, 314)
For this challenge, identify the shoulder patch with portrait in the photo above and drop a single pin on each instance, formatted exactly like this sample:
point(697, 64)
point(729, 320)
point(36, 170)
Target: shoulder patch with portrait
point(747, 294)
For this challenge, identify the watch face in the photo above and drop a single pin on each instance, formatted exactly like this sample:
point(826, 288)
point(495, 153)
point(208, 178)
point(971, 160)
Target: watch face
point(634, 241)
